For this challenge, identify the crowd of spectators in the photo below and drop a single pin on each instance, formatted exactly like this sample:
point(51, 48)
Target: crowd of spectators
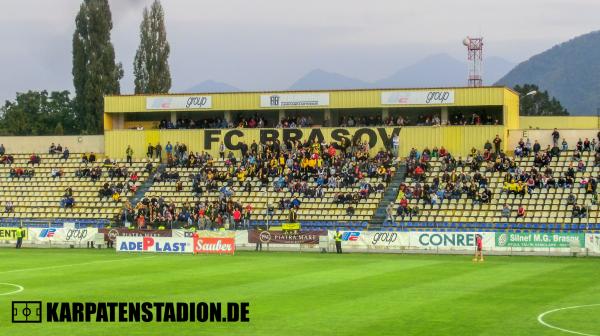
point(517, 181)
point(295, 122)
point(187, 123)
point(474, 119)
point(155, 212)
point(374, 120)
point(305, 169)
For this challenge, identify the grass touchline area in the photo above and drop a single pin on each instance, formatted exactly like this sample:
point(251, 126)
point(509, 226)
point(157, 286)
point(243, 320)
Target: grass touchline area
point(294, 293)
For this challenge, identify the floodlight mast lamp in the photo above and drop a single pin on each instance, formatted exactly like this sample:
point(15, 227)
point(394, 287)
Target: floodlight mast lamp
point(475, 56)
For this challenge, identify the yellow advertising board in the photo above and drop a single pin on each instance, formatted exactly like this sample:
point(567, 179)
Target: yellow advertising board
point(11, 233)
point(290, 226)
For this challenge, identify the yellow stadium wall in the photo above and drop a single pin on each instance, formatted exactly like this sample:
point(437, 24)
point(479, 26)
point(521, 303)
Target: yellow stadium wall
point(544, 137)
point(40, 144)
point(484, 96)
point(457, 139)
point(144, 124)
point(581, 122)
point(200, 140)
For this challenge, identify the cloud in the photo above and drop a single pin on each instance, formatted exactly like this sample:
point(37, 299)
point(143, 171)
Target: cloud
point(268, 44)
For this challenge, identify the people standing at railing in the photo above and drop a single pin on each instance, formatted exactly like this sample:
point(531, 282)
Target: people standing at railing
point(247, 215)
point(390, 213)
point(150, 151)
point(158, 149)
point(555, 137)
point(129, 154)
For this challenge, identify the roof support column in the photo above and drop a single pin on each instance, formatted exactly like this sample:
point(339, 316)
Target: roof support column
point(174, 118)
point(385, 113)
point(281, 115)
point(120, 121)
point(227, 116)
point(444, 116)
point(327, 118)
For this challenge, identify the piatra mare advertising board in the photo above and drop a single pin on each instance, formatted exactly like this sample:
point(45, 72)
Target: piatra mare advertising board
point(539, 239)
point(279, 237)
point(62, 235)
point(424, 97)
point(178, 102)
point(377, 137)
point(111, 234)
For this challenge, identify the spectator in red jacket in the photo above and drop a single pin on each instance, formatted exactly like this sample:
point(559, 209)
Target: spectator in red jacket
point(237, 217)
point(419, 173)
point(521, 212)
point(443, 152)
point(34, 159)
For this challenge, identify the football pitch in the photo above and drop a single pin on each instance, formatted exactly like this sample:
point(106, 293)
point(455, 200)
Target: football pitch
point(312, 293)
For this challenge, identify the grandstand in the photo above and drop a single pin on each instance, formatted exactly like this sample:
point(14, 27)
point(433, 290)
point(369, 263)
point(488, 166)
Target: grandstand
point(39, 197)
point(317, 212)
point(360, 125)
point(547, 205)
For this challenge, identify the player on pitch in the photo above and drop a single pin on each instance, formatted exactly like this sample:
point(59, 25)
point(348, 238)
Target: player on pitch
point(478, 248)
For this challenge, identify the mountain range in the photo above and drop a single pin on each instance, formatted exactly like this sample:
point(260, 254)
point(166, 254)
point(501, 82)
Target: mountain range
point(569, 71)
point(210, 86)
point(434, 70)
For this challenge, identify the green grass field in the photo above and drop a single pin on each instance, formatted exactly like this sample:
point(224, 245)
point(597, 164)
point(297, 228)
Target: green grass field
point(313, 294)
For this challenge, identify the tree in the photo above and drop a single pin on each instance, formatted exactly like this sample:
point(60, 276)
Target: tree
point(151, 66)
point(538, 103)
point(95, 72)
point(38, 113)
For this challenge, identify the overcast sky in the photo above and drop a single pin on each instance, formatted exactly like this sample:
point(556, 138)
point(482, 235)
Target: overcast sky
point(268, 44)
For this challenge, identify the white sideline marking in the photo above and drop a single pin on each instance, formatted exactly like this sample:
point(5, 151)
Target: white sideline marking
point(69, 265)
point(541, 319)
point(19, 288)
